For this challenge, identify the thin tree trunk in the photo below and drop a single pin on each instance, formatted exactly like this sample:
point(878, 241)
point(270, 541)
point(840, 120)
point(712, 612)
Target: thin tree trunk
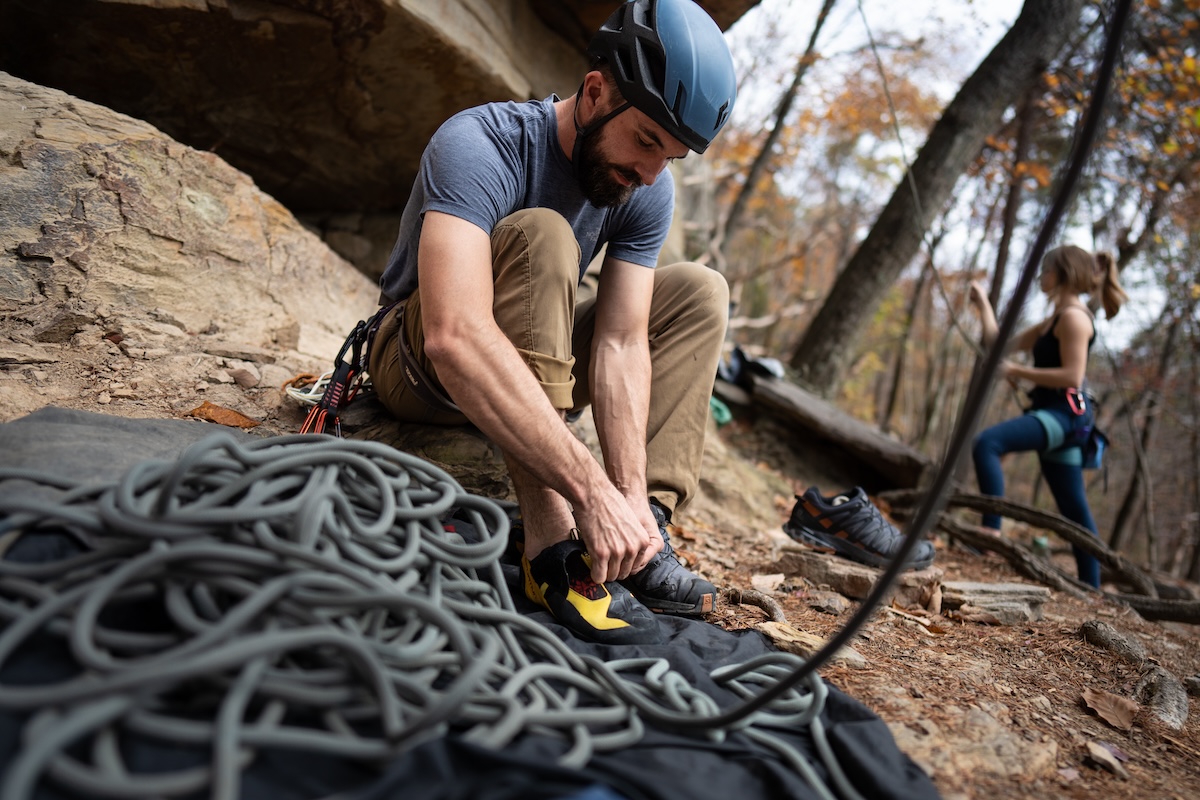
point(1194, 570)
point(1137, 495)
point(941, 358)
point(1013, 65)
point(718, 248)
point(1013, 204)
point(910, 316)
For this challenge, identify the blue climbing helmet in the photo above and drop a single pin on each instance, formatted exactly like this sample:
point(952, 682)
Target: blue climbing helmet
point(670, 62)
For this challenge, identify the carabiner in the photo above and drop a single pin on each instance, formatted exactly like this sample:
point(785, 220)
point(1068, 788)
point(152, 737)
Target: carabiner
point(1077, 402)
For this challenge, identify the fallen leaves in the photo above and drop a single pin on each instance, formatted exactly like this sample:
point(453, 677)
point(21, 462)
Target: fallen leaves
point(1115, 710)
point(222, 416)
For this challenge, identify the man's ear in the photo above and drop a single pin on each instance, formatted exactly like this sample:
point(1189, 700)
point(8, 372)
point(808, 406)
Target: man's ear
point(595, 91)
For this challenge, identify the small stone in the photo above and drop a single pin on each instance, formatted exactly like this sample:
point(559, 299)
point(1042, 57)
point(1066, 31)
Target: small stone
point(245, 376)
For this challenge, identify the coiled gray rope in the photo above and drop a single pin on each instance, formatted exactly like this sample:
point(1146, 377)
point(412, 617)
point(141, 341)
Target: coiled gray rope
point(312, 599)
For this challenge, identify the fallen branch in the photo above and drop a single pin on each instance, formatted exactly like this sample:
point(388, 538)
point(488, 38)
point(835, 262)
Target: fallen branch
point(753, 597)
point(1074, 533)
point(1019, 556)
point(1153, 608)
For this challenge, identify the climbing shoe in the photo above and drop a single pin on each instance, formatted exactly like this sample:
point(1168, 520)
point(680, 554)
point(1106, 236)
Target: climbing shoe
point(851, 526)
point(666, 586)
point(560, 579)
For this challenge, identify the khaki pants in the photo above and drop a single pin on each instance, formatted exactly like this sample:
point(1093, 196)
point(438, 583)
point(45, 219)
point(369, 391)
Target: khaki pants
point(550, 321)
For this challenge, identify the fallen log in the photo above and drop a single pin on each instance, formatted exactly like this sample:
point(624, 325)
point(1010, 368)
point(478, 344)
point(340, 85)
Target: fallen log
point(883, 462)
point(1164, 610)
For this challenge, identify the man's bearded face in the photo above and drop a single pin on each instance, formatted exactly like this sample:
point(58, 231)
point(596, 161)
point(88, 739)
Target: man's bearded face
point(597, 173)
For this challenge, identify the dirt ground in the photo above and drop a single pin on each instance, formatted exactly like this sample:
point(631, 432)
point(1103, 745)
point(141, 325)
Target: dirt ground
point(989, 711)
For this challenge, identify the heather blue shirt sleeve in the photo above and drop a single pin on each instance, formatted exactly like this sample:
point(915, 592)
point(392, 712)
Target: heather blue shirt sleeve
point(472, 172)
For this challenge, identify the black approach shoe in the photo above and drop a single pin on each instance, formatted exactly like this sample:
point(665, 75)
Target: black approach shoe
point(560, 580)
point(666, 586)
point(851, 526)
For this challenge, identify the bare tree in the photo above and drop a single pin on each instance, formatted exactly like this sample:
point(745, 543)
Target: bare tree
point(888, 407)
point(1137, 495)
point(718, 247)
point(1003, 77)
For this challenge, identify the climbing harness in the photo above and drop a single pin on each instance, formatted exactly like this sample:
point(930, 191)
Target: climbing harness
point(332, 392)
point(307, 594)
point(342, 384)
point(414, 376)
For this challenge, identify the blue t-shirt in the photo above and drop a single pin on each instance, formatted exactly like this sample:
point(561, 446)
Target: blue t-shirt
point(493, 160)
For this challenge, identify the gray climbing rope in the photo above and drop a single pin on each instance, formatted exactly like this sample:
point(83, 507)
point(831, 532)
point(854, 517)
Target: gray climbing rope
point(308, 595)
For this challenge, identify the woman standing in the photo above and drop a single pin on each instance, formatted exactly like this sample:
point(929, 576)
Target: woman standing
point(1060, 347)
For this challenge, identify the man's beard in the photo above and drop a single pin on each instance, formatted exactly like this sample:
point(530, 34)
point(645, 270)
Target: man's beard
point(595, 176)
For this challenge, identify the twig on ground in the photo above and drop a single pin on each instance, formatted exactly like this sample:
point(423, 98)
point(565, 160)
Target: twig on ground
point(755, 598)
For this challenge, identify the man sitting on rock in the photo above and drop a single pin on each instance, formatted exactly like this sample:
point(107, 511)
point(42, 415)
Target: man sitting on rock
point(511, 204)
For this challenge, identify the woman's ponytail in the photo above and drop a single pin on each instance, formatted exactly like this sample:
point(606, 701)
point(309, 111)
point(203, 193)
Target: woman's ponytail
point(1107, 286)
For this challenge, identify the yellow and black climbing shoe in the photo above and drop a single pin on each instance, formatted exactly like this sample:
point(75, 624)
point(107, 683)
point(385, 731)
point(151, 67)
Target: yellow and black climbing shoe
point(851, 526)
point(560, 579)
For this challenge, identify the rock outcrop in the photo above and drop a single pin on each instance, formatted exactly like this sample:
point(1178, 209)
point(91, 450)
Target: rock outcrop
point(120, 246)
point(326, 105)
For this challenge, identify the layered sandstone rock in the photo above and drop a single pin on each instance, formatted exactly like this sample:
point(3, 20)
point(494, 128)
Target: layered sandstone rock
point(119, 243)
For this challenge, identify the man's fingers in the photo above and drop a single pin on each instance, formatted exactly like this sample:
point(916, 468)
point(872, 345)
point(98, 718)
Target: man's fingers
point(605, 571)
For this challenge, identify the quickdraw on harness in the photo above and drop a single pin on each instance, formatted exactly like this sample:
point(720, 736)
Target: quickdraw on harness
point(346, 379)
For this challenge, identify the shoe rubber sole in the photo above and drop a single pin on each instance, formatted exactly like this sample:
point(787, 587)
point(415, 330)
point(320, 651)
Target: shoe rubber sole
point(704, 605)
point(843, 547)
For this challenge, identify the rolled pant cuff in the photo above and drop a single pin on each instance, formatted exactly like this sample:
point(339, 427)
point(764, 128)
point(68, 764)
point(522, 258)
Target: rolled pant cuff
point(554, 375)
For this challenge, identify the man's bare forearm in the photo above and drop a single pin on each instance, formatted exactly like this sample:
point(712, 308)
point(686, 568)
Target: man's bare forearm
point(621, 400)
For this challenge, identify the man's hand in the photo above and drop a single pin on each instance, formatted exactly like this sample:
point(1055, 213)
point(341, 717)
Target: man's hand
point(654, 540)
point(620, 540)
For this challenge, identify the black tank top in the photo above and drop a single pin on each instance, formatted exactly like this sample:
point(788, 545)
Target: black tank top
point(1048, 353)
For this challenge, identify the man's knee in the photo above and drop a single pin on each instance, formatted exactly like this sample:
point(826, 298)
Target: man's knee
point(541, 235)
point(703, 286)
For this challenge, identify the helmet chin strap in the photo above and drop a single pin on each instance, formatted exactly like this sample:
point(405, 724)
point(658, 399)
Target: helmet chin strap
point(583, 131)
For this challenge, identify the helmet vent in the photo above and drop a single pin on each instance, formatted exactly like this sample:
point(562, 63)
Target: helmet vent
point(722, 115)
point(680, 100)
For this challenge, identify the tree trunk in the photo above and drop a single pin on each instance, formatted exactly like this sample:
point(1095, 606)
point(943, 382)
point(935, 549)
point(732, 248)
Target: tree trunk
point(1013, 204)
point(879, 461)
point(897, 377)
point(1133, 503)
point(1194, 569)
point(1004, 76)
